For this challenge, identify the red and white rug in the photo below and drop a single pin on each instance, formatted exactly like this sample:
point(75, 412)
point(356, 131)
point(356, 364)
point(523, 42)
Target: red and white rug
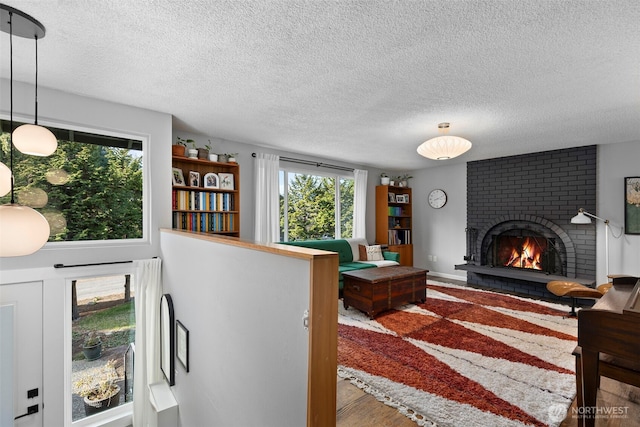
point(466, 357)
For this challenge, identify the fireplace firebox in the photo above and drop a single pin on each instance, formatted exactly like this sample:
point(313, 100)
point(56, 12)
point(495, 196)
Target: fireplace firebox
point(524, 249)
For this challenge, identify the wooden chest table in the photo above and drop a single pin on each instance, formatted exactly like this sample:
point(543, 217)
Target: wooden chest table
point(374, 290)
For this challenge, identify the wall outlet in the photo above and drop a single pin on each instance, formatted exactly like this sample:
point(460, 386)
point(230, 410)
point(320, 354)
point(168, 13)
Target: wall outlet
point(429, 257)
point(435, 258)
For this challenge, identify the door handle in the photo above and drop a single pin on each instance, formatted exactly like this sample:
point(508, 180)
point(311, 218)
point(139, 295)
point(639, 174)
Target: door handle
point(33, 409)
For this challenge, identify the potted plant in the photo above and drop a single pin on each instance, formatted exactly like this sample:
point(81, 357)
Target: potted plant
point(178, 149)
point(223, 158)
point(231, 157)
point(384, 178)
point(404, 180)
point(98, 387)
point(92, 347)
point(192, 152)
point(212, 156)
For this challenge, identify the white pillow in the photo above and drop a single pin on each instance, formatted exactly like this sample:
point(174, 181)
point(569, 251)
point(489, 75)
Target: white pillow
point(374, 253)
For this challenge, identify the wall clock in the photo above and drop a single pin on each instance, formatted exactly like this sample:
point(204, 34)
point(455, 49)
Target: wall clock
point(437, 198)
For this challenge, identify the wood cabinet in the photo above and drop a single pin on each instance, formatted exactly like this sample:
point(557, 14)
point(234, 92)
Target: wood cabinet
point(394, 221)
point(212, 204)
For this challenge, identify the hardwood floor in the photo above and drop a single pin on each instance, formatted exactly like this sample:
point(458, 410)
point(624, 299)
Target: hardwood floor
point(359, 409)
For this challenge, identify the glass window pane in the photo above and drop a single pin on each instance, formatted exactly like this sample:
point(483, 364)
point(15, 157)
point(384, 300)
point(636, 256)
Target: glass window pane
point(103, 330)
point(90, 188)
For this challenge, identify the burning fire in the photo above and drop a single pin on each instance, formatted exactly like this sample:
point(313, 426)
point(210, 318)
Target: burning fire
point(527, 255)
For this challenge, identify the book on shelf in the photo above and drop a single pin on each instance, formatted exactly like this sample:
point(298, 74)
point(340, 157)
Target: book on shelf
point(399, 237)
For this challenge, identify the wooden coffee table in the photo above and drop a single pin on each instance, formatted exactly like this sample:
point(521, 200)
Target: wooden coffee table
point(374, 290)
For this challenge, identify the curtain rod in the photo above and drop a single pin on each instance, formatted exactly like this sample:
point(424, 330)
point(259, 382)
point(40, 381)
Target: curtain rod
point(90, 265)
point(312, 163)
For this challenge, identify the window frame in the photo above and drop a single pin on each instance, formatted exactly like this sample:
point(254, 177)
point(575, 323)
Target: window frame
point(146, 184)
point(336, 175)
point(122, 415)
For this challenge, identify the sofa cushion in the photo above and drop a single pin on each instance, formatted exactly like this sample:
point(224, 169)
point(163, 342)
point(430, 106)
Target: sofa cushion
point(341, 246)
point(383, 263)
point(370, 253)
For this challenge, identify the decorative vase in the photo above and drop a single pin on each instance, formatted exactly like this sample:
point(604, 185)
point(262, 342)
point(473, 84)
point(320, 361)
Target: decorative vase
point(92, 352)
point(193, 153)
point(384, 180)
point(94, 406)
point(177, 150)
point(213, 157)
point(203, 153)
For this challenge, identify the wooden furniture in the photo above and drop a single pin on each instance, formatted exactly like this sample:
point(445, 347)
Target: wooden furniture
point(202, 208)
point(573, 290)
point(609, 344)
point(374, 290)
point(394, 221)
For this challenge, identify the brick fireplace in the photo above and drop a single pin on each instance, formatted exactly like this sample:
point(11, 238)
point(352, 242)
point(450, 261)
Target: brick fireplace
point(519, 231)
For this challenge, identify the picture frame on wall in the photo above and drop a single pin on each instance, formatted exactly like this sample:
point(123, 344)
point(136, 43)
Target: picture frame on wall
point(182, 344)
point(632, 205)
point(178, 177)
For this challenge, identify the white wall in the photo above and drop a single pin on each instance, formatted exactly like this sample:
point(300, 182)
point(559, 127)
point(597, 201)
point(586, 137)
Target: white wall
point(615, 162)
point(440, 233)
point(248, 350)
point(59, 109)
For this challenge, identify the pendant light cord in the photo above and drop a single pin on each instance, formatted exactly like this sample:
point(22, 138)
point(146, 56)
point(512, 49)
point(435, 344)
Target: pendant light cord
point(11, 102)
point(36, 117)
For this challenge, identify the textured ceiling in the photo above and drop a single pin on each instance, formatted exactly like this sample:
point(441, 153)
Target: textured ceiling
point(364, 81)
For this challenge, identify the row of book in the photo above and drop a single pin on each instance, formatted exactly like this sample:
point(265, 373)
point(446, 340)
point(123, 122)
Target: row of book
point(396, 211)
point(208, 222)
point(202, 201)
point(399, 237)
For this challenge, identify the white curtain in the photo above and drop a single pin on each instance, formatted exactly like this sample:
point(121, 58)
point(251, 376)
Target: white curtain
point(360, 203)
point(267, 198)
point(148, 292)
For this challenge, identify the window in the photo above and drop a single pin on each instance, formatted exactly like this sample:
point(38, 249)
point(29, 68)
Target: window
point(315, 206)
point(102, 336)
point(90, 189)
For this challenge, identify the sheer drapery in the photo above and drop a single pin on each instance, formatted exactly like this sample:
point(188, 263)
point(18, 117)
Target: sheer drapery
point(267, 209)
point(148, 291)
point(360, 203)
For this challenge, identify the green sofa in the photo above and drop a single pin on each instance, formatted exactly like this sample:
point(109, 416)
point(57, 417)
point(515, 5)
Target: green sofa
point(348, 254)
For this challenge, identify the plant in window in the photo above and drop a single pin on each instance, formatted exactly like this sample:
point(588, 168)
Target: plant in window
point(98, 387)
point(92, 347)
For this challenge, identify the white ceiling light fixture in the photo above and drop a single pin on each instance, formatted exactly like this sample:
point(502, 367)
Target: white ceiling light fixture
point(445, 146)
point(30, 139)
point(23, 230)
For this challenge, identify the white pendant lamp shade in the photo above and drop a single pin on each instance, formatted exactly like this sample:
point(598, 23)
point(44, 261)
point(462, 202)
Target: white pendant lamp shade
point(5, 180)
point(22, 230)
point(35, 140)
point(445, 146)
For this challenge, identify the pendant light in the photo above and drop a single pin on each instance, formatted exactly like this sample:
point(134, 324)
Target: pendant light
point(23, 230)
point(445, 146)
point(32, 138)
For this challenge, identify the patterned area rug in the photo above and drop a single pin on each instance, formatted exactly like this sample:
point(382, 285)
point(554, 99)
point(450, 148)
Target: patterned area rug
point(466, 357)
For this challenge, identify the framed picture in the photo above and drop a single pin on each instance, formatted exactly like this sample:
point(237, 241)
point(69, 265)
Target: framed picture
point(406, 198)
point(226, 181)
point(182, 344)
point(178, 178)
point(632, 205)
point(194, 179)
point(392, 198)
point(211, 180)
point(167, 339)
point(401, 198)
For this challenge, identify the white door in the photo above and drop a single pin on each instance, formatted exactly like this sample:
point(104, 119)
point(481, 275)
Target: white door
point(21, 355)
